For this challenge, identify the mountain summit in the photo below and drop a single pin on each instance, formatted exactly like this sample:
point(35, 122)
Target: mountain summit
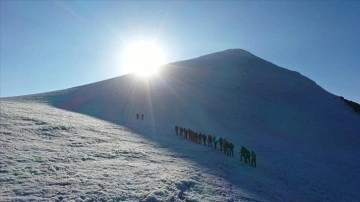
point(211, 92)
point(306, 138)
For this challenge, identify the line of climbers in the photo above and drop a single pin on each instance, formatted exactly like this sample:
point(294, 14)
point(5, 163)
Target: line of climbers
point(226, 146)
point(250, 158)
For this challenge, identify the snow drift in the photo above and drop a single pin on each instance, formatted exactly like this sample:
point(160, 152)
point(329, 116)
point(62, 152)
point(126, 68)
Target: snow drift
point(306, 138)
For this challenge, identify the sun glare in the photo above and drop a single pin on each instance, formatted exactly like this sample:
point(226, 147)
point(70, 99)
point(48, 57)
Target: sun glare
point(143, 58)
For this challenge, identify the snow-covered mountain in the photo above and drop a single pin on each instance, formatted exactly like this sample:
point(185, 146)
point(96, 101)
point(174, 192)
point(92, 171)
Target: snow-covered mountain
point(306, 138)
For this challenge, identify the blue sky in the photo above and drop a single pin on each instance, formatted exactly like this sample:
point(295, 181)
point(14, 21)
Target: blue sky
point(53, 45)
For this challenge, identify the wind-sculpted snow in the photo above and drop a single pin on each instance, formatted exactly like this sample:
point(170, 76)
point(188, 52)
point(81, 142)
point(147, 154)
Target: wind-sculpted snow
point(52, 154)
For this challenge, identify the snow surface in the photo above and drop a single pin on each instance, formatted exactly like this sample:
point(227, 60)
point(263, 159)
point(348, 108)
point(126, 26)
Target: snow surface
point(85, 143)
point(48, 153)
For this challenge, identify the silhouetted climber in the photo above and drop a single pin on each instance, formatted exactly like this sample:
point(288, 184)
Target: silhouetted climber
point(209, 140)
point(231, 148)
point(137, 116)
point(181, 131)
point(225, 146)
point(176, 129)
point(246, 154)
point(253, 159)
point(215, 140)
point(142, 117)
point(221, 141)
point(204, 139)
point(241, 153)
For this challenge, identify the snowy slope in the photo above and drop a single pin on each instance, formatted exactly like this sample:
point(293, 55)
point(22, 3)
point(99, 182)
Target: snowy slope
point(306, 139)
point(51, 154)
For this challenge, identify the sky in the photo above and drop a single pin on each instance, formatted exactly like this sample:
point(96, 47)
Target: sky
point(54, 45)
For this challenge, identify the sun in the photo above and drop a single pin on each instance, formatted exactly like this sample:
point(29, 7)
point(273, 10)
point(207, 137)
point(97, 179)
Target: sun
point(143, 58)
